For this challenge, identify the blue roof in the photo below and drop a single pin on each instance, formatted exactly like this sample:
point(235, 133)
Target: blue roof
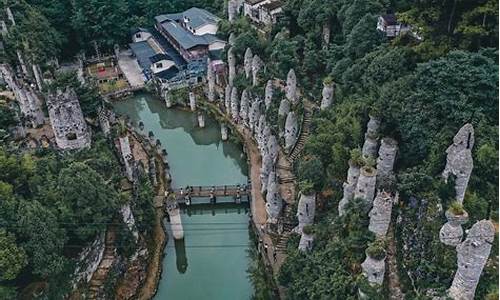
point(168, 73)
point(143, 52)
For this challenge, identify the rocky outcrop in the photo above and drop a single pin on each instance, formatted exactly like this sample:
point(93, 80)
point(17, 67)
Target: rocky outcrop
point(232, 10)
point(272, 148)
point(349, 186)
point(257, 65)
point(291, 131)
point(306, 242)
point(451, 233)
point(365, 187)
point(472, 255)
point(127, 156)
point(327, 93)
point(371, 138)
point(201, 120)
point(459, 160)
point(386, 158)
point(89, 260)
point(168, 99)
point(129, 220)
point(175, 220)
point(231, 61)
point(224, 131)
point(291, 86)
point(247, 62)
point(268, 93)
point(274, 203)
point(380, 215)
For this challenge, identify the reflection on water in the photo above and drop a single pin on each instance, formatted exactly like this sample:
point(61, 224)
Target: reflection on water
point(215, 237)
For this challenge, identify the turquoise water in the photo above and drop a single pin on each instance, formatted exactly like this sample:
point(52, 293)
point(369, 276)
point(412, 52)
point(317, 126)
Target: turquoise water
point(211, 261)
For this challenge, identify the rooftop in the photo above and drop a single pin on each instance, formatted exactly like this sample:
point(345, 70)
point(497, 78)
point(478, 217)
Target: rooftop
point(272, 5)
point(196, 17)
point(143, 52)
point(186, 39)
point(390, 19)
point(159, 57)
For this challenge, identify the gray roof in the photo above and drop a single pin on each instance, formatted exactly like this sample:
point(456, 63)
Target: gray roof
point(197, 17)
point(185, 38)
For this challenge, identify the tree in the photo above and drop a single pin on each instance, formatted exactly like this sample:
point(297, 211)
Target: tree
point(87, 201)
point(12, 258)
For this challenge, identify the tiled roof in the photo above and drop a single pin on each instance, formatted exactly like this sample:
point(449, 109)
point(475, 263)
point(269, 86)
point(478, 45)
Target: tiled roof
point(143, 52)
point(159, 57)
point(197, 17)
point(185, 38)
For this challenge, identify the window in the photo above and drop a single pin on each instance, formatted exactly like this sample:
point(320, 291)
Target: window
point(138, 35)
point(159, 65)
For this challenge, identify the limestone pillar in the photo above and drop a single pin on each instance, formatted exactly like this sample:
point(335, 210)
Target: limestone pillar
point(306, 210)
point(175, 221)
point(472, 255)
point(248, 62)
point(10, 15)
point(349, 186)
point(365, 188)
point(192, 100)
point(227, 98)
point(234, 104)
point(268, 94)
point(291, 131)
point(231, 61)
point(451, 233)
point(273, 148)
point(21, 63)
point(374, 269)
point(254, 114)
point(328, 91)
point(201, 120)
point(326, 33)
point(459, 160)
point(291, 86)
point(257, 65)
point(274, 203)
point(284, 108)
point(210, 81)
point(224, 131)
point(371, 138)
point(244, 107)
point(168, 99)
point(380, 214)
point(38, 76)
point(386, 157)
point(306, 242)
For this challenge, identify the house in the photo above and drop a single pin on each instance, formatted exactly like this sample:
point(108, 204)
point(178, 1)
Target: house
point(389, 25)
point(153, 60)
point(191, 33)
point(263, 12)
point(140, 35)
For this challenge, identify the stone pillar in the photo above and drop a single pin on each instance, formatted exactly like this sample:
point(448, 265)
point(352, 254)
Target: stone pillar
point(328, 91)
point(365, 188)
point(201, 120)
point(210, 81)
point(21, 62)
point(380, 215)
point(291, 86)
point(104, 121)
point(386, 157)
point(234, 103)
point(127, 155)
point(38, 76)
point(373, 269)
point(168, 99)
point(265, 170)
point(326, 33)
point(227, 98)
point(305, 211)
point(371, 138)
point(291, 131)
point(272, 148)
point(232, 10)
point(244, 107)
point(231, 61)
point(257, 65)
point(10, 16)
point(459, 160)
point(254, 114)
point(451, 233)
point(128, 218)
point(472, 255)
point(268, 94)
point(284, 108)
point(274, 203)
point(231, 39)
point(192, 100)
point(349, 186)
point(306, 242)
point(3, 29)
point(248, 62)
point(223, 131)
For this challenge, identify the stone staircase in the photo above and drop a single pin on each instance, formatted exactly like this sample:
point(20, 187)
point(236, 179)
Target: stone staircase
point(287, 229)
point(96, 284)
point(304, 134)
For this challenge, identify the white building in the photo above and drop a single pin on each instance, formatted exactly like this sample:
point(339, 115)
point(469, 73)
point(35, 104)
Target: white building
point(264, 12)
point(390, 26)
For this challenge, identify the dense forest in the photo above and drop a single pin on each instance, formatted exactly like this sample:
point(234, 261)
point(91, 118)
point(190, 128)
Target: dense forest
point(423, 89)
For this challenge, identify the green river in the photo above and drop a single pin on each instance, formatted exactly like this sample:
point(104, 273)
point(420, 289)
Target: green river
point(211, 261)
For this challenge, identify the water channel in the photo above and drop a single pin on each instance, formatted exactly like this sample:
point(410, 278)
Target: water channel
point(211, 261)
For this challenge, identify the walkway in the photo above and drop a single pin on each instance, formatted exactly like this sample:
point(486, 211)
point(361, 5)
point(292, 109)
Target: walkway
point(394, 285)
point(131, 69)
point(304, 134)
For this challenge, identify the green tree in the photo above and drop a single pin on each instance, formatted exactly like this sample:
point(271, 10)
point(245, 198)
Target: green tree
point(12, 257)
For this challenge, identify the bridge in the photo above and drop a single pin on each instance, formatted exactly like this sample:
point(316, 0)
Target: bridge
point(239, 193)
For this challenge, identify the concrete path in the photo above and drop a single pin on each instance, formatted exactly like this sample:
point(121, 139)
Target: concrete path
point(131, 69)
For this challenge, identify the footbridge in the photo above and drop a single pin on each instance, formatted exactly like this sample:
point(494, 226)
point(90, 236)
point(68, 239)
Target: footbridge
point(238, 193)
